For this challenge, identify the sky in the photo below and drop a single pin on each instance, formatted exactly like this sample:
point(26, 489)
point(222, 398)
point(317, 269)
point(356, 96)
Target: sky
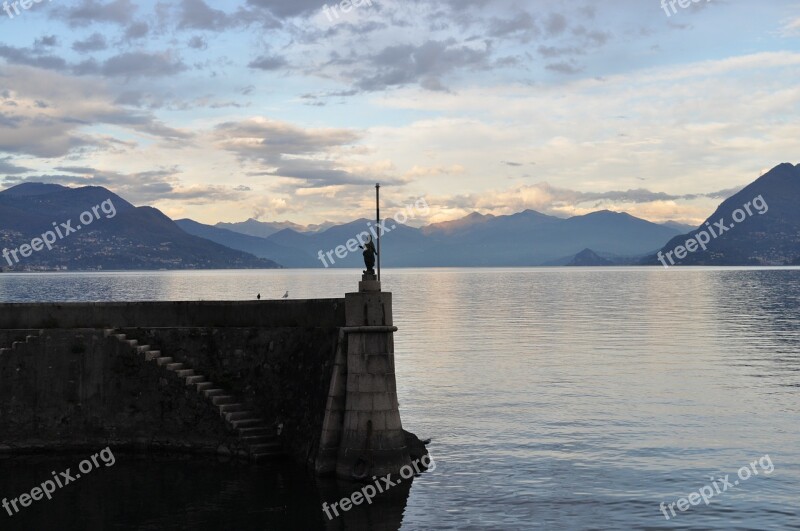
point(294, 109)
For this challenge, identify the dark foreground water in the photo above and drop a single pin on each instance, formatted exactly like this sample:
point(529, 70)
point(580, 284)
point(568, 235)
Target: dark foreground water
point(556, 399)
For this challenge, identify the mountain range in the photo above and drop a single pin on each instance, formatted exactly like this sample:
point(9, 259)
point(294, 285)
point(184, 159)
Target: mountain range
point(144, 238)
point(524, 239)
point(265, 229)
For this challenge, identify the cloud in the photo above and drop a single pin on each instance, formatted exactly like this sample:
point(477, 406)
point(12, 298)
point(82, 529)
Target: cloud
point(522, 26)
point(7, 167)
point(136, 30)
point(198, 43)
point(94, 43)
point(270, 141)
point(555, 25)
point(47, 114)
point(135, 64)
point(310, 156)
point(89, 12)
point(556, 51)
point(46, 41)
point(564, 67)
point(128, 65)
point(196, 14)
point(457, 41)
point(31, 57)
point(434, 171)
point(287, 8)
point(791, 28)
point(162, 184)
point(425, 64)
point(268, 62)
point(550, 198)
point(593, 38)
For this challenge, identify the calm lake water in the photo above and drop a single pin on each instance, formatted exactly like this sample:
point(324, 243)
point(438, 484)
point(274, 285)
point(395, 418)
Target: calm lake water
point(555, 398)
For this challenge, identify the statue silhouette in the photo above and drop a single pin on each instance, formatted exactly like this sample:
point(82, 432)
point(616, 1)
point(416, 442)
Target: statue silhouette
point(369, 256)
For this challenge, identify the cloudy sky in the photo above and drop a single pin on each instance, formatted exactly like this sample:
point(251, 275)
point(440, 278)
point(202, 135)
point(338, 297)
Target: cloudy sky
point(286, 109)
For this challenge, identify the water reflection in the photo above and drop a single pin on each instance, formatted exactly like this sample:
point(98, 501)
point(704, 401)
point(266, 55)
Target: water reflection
point(159, 491)
point(385, 513)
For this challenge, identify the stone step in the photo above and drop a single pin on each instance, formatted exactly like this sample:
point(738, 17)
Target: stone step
point(5, 350)
point(230, 408)
point(266, 447)
point(141, 349)
point(239, 415)
point(185, 373)
point(211, 393)
point(273, 448)
point(132, 342)
point(202, 386)
point(30, 339)
point(174, 366)
point(257, 439)
point(163, 361)
point(121, 337)
point(256, 432)
point(247, 423)
point(218, 400)
point(191, 380)
point(152, 354)
point(108, 332)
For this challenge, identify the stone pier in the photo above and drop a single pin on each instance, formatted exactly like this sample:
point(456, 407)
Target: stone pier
point(313, 380)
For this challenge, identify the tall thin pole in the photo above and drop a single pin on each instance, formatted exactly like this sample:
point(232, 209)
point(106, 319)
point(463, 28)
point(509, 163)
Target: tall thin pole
point(378, 220)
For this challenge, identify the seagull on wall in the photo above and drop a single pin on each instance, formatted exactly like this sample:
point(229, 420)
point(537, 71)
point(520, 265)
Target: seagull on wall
point(258, 296)
point(286, 295)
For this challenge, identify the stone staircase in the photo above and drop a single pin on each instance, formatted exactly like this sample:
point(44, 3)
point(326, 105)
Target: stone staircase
point(17, 345)
point(260, 439)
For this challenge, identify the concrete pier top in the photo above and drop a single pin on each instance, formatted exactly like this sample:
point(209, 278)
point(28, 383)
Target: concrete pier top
point(316, 313)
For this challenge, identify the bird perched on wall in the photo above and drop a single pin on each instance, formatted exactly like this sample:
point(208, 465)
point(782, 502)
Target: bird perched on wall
point(258, 296)
point(286, 295)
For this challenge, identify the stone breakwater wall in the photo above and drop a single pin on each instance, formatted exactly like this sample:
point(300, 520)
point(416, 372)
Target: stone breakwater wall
point(67, 380)
point(310, 379)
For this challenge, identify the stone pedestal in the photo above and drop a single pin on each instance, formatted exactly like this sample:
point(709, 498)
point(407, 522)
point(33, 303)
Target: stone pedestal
point(369, 283)
point(372, 440)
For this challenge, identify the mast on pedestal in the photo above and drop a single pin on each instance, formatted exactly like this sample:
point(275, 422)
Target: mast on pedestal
point(378, 219)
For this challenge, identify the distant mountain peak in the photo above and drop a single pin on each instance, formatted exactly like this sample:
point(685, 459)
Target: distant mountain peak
point(534, 213)
point(260, 229)
point(456, 225)
point(31, 189)
point(683, 228)
point(589, 258)
point(609, 213)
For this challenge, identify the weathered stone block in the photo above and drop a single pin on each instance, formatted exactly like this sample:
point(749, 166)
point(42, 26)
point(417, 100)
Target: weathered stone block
point(383, 402)
point(379, 364)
